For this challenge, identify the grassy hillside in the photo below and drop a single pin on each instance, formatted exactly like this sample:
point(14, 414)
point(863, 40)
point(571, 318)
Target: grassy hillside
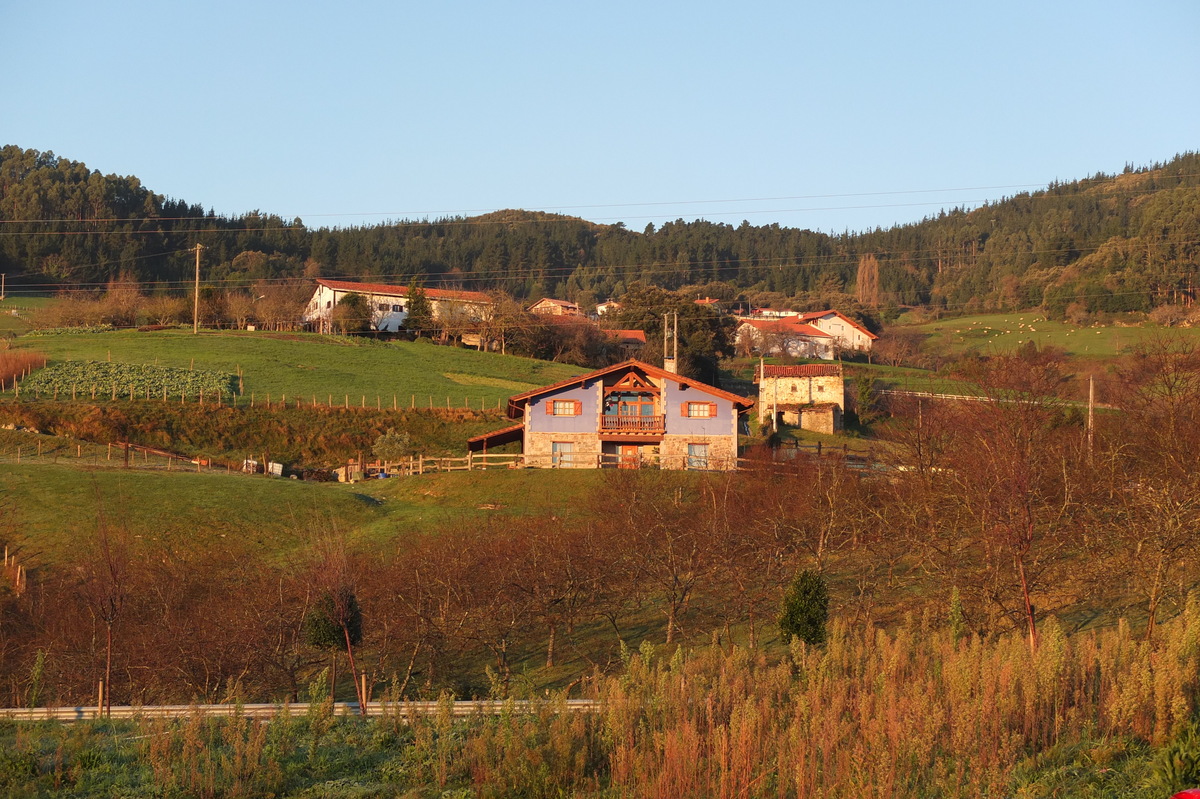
point(51, 504)
point(306, 365)
point(1000, 333)
point(16, 310)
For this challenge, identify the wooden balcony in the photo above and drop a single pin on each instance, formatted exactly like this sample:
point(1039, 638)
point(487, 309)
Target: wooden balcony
point(649, 425)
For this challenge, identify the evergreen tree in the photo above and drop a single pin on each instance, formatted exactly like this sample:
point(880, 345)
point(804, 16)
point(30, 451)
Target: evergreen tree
point(805, 609)
point(420, 313)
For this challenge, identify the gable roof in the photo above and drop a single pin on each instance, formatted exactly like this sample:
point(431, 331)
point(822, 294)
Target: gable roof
point(564, 304)
point(402, 291)
point(812, 315)
point(628, 336)
point(516, 401)
point(801, 370)
point(788, 326)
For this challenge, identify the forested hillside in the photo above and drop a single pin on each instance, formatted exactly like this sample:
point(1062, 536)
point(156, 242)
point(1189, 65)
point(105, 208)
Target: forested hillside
point(1105, 243)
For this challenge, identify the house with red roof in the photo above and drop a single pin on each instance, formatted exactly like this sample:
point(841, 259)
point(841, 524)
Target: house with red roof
point(627, 415)
point(848, 335)
point(783, 336)
point(811, 396)
point(389, 304)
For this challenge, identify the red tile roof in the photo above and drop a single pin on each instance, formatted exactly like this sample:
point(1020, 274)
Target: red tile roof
point(811, 315)
point(628, 335)
point(790, 326)
point(517, 400)
point(402, 291)
point(803, 370)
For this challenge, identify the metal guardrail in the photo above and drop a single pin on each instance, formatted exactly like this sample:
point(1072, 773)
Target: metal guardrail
point(460, 709)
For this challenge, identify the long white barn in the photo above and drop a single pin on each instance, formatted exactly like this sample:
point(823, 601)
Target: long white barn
point(389, 304)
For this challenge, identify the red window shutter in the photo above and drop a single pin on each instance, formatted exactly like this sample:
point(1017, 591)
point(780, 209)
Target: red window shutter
point(550, 407)
point(578, 408)
point(683, 410)
point(712, 410)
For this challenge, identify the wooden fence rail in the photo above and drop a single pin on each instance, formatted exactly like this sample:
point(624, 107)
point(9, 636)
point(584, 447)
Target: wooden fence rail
point(420, 464)
point(407, 710)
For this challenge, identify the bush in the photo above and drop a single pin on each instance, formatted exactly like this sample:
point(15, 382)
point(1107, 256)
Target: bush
point(805, 609)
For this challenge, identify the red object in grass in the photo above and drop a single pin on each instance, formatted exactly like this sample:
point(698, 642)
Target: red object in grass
point(1190, 793)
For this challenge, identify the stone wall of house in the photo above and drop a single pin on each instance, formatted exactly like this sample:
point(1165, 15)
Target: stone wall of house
point(826, 419)
point(539, 448)
point(800, 391)
point(722, 451)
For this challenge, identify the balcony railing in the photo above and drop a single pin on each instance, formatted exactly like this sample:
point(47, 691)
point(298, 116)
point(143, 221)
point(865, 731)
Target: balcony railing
point(632, 424)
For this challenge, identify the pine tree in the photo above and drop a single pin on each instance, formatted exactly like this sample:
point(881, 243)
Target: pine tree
point(420, 313)
point(805, 609)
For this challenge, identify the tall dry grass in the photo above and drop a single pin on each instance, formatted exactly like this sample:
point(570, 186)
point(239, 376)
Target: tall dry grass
point(914, 713)
point(16, 364)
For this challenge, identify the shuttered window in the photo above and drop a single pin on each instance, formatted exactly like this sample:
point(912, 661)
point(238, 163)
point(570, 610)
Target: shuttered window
point(699, 410)
point(564, 408)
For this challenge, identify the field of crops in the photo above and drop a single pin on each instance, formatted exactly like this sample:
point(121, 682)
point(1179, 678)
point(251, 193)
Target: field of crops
point(100, 379)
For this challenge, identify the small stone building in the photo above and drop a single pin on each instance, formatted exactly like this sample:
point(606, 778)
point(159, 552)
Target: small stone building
point(810, 396)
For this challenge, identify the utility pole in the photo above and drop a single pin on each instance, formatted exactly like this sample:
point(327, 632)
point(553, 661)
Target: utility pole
point(3, 281)
point(671, 342)
point(1091, 429)
point(196, 299)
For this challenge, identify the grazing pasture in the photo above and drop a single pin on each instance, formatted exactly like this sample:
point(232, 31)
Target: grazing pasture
point(329, 368)
point(1003, 333)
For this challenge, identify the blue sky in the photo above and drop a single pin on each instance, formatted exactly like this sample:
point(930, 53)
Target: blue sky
point(827, 116)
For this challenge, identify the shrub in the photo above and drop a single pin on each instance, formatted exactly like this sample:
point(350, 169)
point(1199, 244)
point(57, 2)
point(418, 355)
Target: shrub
point(805, 609)
point(392, 446)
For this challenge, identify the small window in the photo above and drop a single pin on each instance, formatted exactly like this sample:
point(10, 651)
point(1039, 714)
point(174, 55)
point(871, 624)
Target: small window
point(699, 410)
point(397, 309)
point(328, 303)
point(564, 407)
point(697, 456)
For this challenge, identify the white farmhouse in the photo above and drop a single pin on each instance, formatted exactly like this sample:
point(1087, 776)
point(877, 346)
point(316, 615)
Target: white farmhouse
point(783, 336)
point(848, 335)
point(389, 304)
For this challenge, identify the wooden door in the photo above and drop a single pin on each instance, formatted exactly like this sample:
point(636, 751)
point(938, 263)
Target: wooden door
point(628, 456)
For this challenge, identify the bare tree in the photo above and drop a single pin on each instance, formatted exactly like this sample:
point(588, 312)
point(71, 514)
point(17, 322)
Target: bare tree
point(104, 585)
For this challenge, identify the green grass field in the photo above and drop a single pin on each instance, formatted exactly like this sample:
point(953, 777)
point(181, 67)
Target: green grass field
point(306, 365)
point(55, 500)
point(15, 311)
point(53, 506)
point(1000, 333)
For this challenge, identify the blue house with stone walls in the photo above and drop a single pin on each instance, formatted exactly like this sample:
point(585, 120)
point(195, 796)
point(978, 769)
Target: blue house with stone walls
point(628, 415)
